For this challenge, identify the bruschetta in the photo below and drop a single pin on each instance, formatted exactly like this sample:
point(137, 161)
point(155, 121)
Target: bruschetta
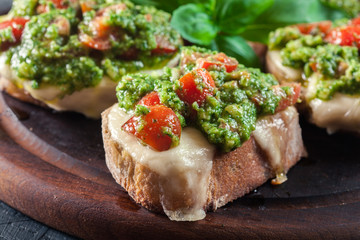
point(200, 135)
point(69, 55)
point(324, 58)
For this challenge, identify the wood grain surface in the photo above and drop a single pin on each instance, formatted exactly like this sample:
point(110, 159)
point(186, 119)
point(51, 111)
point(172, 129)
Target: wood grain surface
point(15, 225)
point(52, 168)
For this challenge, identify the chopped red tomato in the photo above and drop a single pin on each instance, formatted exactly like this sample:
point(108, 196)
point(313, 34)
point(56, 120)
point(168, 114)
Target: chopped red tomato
point(59, 4)
point(87, 6)
point(355, 21)
point(163, 46)
point(150, 99)
point(148, 17)
point(313, 66)
point(101, 35)
point(218, 60)
point(344, 36)
point(195, 86)
point(101, 32)
point(96, 43)
point(160, 128)
point(17, 26)
point(307, 28)
point(291, 96)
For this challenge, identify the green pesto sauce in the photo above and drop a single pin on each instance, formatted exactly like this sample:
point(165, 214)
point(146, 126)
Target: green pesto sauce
point(338, 66)
point(227, 118)
point(46, 56)
point(351, 7)
point(6, 36)
point(137, 35)
point(22, 8)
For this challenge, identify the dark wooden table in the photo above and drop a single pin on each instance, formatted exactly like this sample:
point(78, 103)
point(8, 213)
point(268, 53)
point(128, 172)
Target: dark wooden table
point(57, 175)
point(15, 225)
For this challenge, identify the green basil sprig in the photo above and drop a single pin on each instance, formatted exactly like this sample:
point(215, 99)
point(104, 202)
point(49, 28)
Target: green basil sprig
point(227, 25)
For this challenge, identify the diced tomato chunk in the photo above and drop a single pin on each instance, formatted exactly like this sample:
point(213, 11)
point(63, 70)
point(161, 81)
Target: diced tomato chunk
point(59, 4)
point(307, 28)
point(163, 46)
point(195, 86)
point(17, 26)
point(344, 36)
point(87, 6)
point(101, 31)
point(96, 43)
point(148, 17)
point(150, 99)
point(218, 60)
point(160, 128)
point(355, 21)
point(291, 97)
point(313, 66)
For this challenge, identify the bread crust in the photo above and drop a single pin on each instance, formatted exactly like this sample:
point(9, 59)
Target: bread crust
point(233, 174)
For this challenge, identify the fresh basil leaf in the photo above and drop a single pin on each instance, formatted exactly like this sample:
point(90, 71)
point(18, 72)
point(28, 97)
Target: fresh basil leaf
point(166, 5)
point(170, 6)
point(291, 12)
point(194, 24)
point(260, 32)
point(236, 47)
point(209, 5)
point(232, 16)
point(287, 12)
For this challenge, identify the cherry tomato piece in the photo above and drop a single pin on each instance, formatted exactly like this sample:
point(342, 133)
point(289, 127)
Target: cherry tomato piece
point(87, 6)
point(59, 4)
point(156, 128)
point(150, 99)
point(195, 86)
point(290, 99)
point(163, 46)
point(218, 60)
point(17, 26)
point(307, 28)
point(355, 21)
point(313, 66)
point(96, 43)
point(345, 36)
point(101, 31)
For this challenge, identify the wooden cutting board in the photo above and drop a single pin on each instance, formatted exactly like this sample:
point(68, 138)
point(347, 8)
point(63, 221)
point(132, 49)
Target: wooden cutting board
point(52, 168)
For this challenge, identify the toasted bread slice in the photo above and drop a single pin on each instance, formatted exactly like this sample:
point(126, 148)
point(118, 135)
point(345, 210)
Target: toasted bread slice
point(227, 176)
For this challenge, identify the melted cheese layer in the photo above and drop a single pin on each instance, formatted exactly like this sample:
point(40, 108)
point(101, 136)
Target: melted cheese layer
point(278, 142)
point(88, 101)
point(186, 167)
point(341, 112)
point(285, 73)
